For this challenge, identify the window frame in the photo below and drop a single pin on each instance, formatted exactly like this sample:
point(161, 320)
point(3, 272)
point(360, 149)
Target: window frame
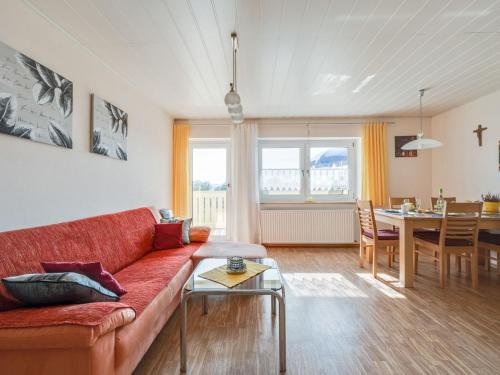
point(305, 146)
point(208, 143)
point(283, 144)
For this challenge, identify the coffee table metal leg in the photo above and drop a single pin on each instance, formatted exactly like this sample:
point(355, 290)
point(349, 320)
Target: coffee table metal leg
point(204, 303)
point(282, 330)
point(273, 304)
point(183, 331)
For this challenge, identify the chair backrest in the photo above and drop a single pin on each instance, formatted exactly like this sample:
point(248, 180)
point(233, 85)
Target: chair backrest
point(397, 202)
point(446, 199)
point(366, 218)
point(461, 223)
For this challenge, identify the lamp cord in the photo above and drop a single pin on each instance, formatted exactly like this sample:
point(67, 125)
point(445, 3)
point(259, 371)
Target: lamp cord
point(233, 37)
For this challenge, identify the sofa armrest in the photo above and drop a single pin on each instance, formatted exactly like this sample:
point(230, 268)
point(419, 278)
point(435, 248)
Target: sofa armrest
point(65, 335)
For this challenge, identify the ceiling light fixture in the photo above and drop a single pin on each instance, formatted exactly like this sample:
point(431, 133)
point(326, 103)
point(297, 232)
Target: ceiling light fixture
point(232, 99)
point(421, 143)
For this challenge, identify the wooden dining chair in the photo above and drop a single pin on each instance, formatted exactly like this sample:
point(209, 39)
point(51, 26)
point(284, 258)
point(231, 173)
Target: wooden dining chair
point(489, 242)
point(371, 239)
point(458, 235)
point(446, 199)
point(397, 202)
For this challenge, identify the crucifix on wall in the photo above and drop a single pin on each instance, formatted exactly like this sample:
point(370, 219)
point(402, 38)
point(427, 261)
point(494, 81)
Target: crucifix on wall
point(479, 132)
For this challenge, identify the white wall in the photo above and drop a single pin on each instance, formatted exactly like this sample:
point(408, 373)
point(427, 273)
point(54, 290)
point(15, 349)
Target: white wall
point(43, 184)
point(407, 176)
point(461, 167)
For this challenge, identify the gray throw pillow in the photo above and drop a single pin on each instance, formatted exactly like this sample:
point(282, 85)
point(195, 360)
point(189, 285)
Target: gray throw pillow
point(186, 225)
point(57, 288)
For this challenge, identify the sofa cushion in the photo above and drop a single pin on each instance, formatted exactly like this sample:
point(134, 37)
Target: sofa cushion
point(145, 278)
point(88, 314)
point(93, 314)
point(63, 335)
point(133, 340)
point(115, 240)
point(92, 270)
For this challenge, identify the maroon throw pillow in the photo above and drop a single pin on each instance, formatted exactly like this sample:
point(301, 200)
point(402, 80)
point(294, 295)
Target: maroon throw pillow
point(92, 270)
point(7, 302)
point(168, 236)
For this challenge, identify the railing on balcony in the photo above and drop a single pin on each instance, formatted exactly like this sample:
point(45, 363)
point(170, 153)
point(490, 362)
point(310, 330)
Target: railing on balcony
point(209, 209)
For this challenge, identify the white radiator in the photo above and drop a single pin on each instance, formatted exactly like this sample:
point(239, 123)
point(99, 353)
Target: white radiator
point(308, 226)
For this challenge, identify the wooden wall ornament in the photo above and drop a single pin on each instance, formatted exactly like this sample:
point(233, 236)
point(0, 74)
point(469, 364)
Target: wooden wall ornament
point(479, 132)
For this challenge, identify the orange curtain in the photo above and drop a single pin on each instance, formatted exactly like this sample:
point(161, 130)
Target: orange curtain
point(374, 177)
point(181, 189)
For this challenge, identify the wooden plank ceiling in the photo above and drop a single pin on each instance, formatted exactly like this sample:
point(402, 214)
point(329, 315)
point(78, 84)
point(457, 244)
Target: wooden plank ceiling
point(297, 57)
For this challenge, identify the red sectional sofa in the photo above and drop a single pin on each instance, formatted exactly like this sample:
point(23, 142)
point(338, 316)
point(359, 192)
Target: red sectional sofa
point(95, 338)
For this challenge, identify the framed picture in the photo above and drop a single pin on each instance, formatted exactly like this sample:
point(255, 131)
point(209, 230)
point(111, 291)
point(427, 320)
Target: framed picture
point(109, 129)
point(400, 141)
point(36, 103)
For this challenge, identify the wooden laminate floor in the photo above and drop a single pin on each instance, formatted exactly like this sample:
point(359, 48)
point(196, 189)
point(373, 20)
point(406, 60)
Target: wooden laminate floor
point(342, 321)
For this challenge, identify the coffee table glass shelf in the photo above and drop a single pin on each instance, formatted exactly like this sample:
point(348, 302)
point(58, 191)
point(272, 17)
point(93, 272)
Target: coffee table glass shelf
point(268, 283)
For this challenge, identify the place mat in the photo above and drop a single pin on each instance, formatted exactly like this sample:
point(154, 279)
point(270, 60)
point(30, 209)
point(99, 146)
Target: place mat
point(219, 274)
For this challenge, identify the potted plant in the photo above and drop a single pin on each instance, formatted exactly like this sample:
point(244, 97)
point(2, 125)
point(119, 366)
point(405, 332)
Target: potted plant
point(491, 202)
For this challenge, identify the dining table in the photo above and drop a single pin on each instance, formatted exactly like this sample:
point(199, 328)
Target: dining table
point(408, 222)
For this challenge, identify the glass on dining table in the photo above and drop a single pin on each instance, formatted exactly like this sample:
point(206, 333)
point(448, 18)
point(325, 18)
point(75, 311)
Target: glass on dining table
point(418, 204)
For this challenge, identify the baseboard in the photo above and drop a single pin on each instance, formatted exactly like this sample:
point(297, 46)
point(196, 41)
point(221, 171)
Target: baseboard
point(314, 245)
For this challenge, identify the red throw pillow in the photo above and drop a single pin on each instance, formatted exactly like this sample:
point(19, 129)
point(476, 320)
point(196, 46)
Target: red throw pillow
point(92, 270)
point(168, 236)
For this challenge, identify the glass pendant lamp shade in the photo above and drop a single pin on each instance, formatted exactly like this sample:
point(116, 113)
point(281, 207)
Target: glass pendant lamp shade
point(236, 117)
point(235, 109)
point(232, 98)
point(421, 143)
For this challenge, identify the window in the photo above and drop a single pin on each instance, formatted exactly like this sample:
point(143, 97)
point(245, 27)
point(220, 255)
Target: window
point(318, 170)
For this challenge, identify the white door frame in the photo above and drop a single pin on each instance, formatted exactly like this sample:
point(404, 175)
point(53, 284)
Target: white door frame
point(214, 143)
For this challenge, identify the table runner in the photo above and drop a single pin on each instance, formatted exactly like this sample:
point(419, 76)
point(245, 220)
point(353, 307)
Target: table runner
point(219, 274)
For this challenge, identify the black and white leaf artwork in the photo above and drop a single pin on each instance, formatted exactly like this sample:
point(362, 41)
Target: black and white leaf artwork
point(8, 117)
point(97, 146)
point(120, 152)
point(110, 129)
point(64, 98)
point(36, 103)
point(118, 118)
point(22, 131)
point(48, 85)
point(8, 112)
point(58, 136)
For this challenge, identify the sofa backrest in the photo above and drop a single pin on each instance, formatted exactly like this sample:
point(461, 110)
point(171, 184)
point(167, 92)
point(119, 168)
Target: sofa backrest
point(115, 240)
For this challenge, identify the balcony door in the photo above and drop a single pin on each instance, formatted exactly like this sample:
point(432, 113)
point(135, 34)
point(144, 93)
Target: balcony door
point(210, 166)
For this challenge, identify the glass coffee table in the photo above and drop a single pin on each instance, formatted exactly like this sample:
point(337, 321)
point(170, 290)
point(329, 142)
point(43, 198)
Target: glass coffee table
point(268, 283)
